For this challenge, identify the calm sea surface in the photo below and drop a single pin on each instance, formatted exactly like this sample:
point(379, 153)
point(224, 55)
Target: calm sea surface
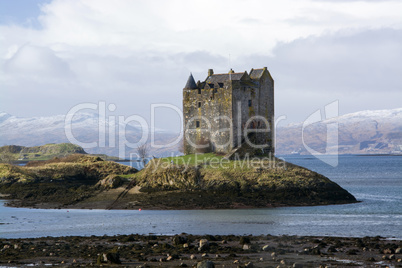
point(374, 180)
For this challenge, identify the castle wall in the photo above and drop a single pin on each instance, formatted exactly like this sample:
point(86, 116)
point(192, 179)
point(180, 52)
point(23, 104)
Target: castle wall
point(213, 133)
point(216, 113)
point(250, 99)
point(242, 94)
point(266, 104)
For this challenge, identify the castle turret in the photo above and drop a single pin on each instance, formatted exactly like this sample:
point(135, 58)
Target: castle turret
point(210, 72)
point(190, 82)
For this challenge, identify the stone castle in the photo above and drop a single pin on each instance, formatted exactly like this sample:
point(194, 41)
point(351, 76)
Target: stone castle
point(226, 110)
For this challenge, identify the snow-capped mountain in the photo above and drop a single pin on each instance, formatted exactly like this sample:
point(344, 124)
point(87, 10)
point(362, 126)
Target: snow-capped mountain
point(356, 133)
point(364, 132)
point(95, 133)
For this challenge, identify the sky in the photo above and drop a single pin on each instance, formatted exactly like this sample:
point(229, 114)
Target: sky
point(57, 54)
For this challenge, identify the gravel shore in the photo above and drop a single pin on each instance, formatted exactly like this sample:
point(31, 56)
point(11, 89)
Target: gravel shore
point(186, 250)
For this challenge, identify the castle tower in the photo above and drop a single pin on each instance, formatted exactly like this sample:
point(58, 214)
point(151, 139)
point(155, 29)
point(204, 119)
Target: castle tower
point(225, 110)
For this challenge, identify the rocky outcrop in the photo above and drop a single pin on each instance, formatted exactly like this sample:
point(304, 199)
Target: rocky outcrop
point(271, 183)
point(42, 152)
point(88, 181)
point(61, 181)
point(111, 181)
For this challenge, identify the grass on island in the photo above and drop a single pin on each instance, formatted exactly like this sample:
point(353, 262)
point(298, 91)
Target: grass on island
point(73, 167)
point(210, 180)
point(15, 153)
point(22, 154)
point(212, 167)
point(218, 162)
point(190, 181)
point(192, 159)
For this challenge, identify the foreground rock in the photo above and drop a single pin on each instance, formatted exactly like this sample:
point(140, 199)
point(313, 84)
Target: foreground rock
point(161, 251)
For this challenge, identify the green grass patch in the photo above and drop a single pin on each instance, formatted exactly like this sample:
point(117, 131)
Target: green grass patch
point(10, 153)
point(211, 161)
point(193, 159)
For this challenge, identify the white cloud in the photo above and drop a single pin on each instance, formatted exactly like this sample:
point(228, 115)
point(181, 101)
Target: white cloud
point(359, 68)
point(203, 25)
point(361, 61)
point(39, 62)
point(134, 53)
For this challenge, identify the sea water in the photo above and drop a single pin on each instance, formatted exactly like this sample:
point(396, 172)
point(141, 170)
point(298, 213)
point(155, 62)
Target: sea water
point(376, 181)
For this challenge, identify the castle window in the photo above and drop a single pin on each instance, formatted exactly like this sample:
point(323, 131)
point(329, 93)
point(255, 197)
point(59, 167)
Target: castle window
point(250, 103)
point(220, 85)
point(199, 104)
point(211, 85)
point(197, 124)
point(199, 91)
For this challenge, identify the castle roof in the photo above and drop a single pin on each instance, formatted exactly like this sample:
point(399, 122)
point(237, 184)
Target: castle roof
point(256, 73)
point(220, 78)
point(191, 82)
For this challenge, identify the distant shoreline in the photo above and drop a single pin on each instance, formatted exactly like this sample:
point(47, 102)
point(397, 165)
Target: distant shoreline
point(21, 162)
point(281, 155)
point(15, 203)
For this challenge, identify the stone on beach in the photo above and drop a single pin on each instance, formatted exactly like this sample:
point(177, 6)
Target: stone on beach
point(111, 258)
point(204, 245)
point(266, 248)
point(206, 264)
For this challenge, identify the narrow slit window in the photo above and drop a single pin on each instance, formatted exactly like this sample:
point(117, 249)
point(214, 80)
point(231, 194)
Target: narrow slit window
point(197, 124)
point(199, 91)
point(250, 103)
point(199, 104)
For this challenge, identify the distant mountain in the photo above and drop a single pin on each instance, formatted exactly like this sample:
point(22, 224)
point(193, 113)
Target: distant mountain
point(365, 132)
point(85, 128)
